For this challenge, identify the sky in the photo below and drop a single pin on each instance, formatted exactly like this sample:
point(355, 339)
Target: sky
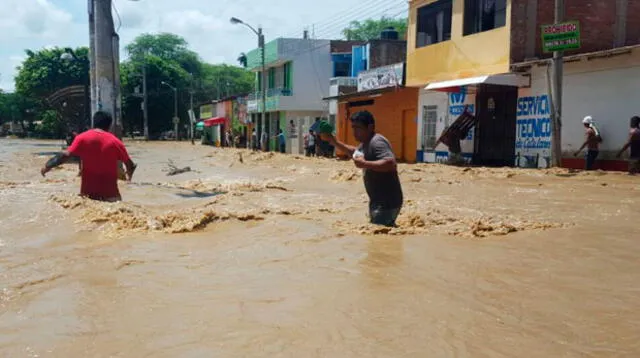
point(37, 24)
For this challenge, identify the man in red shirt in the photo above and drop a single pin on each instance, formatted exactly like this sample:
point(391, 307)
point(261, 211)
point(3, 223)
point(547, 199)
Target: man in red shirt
point(99, 152)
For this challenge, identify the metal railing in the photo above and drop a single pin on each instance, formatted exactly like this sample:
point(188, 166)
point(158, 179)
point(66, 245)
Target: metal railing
point(344, 81)
point(271, 92)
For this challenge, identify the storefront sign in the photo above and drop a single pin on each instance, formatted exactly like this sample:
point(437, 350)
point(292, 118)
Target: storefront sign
point(533, 131)
point(561, 37)
point(206, 111)
point(381, 77)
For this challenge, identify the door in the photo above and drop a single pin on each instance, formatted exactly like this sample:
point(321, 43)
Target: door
point(409, 136)
point(496, 129)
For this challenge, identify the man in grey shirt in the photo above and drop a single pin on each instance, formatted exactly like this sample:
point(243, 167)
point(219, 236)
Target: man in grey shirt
point(375, 157)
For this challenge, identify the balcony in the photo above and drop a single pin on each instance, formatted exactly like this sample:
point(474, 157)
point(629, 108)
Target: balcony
point(344, 81)
point(254, 100)
point(271, 92)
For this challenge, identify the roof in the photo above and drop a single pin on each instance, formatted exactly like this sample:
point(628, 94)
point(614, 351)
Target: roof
point(361, 94)
point(587, 55)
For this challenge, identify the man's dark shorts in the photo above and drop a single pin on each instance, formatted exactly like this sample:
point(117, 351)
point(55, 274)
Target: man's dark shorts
point(590, 159)
point(382, 216)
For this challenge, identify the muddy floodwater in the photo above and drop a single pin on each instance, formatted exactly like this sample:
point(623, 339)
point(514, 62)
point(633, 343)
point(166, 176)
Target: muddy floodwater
point(269, 255)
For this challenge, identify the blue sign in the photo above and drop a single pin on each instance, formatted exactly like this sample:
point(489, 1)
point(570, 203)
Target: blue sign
point(456, 108)
point(533, 123)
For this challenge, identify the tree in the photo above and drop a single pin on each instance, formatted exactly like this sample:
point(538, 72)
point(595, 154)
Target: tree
point(41, 74)
point(167, 58)
point(242, 60)
point(371, 29)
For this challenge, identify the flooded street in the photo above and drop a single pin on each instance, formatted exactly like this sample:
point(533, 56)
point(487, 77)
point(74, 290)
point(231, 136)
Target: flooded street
point(267, 255)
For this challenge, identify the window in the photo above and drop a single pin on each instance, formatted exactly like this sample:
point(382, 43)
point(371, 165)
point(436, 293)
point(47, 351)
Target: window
point(342, 69)
point(287, 75)
point(434, 23)
point(271, 78)
point(484, 15)
point(429, 120)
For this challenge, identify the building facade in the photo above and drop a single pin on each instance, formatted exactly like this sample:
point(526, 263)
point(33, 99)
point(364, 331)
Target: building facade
point(487, 56)
point(377, 84)
point(297, 71)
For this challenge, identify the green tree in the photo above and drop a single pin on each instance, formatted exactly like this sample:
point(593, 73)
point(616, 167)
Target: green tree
point(370, 29)
point(167, 58)
point(41, 74)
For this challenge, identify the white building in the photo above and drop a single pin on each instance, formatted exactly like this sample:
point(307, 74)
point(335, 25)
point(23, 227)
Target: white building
point(298, 72)
point(604, 85)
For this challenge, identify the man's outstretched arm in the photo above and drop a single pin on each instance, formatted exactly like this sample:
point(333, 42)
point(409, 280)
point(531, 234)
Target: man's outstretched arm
point(55, 161)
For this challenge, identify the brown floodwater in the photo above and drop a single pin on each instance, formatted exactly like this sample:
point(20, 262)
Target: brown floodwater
point(267, 255)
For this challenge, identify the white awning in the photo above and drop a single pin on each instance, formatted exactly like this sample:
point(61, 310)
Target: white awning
point(509, 79)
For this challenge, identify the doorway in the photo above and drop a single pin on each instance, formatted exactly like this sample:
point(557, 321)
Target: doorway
point(495, 143)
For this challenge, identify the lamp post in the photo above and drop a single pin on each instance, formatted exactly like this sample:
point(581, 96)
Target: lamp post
point(260, 35)
point(69, 55)
point(176, 120)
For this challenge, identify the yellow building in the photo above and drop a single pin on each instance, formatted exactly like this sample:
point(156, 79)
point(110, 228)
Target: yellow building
point(459, 55)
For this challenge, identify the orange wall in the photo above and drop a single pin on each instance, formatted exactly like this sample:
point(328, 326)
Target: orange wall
point(388, 110)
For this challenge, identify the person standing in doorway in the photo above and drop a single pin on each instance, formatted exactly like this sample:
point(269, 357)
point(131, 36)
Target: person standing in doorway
point(592, 142)
point(378, 162)
point(633, 144)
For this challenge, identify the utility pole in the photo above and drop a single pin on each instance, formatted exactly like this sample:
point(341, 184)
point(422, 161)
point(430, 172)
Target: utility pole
point(106, 63)
point(92, 59)
point(558, 73)
point(264, 86)
point(145, 108)
point(191, 92)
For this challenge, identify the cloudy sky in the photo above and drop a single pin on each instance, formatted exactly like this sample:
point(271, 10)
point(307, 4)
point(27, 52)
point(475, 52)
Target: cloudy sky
point(34, 24)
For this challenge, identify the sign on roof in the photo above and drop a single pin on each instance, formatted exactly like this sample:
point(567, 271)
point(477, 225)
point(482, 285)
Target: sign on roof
point(381, 77)
point(561, 37)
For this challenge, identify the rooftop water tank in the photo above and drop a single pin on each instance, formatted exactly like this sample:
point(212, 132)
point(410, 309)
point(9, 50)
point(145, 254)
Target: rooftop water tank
point(389, 33)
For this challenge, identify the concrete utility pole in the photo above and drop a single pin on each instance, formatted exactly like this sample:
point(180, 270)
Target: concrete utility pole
point(558, 73)
point(145, 107)
point(106, 83)
point(264, 86)
point(92, 59)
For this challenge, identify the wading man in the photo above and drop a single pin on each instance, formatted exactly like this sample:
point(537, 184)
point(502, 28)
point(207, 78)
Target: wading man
point(375, 157)
point(592, 142)
point(100, 153)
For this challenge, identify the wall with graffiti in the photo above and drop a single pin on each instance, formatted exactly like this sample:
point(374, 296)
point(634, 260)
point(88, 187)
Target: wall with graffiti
point(533, 130)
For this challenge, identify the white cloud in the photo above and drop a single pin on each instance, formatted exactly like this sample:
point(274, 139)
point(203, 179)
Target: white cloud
point(204, 24)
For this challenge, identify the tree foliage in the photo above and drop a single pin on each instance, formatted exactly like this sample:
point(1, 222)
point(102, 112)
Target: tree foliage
point(41, 74)
point(371, 29)
point(167, 58)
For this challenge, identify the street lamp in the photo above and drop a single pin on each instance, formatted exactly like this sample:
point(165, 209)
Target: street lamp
point(176, 120)
point(69, 55)
point(236, 21)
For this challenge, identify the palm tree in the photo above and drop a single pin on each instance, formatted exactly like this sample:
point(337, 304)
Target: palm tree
point(242, 59)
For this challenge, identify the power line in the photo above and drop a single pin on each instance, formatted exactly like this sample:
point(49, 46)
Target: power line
point(349, 13)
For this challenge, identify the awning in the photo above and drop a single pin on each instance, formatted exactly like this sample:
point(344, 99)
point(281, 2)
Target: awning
point(214, 121)
point(509, 79)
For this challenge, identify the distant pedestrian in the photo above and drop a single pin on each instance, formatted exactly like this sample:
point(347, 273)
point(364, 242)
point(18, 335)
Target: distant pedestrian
point(282, 140)
point(634, 145)
point(592, 142)
point(310, 144)
point(254, 140)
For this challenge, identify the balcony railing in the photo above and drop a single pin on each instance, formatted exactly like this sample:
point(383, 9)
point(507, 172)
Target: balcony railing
point(344, 81)
point(270, 93)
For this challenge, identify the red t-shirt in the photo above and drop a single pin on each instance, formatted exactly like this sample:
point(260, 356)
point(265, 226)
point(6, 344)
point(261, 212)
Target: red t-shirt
point(100, 153)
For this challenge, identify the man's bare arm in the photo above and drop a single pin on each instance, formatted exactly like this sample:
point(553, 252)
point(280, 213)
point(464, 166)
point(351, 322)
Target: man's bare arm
point(56, 161)
point(342, 146)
